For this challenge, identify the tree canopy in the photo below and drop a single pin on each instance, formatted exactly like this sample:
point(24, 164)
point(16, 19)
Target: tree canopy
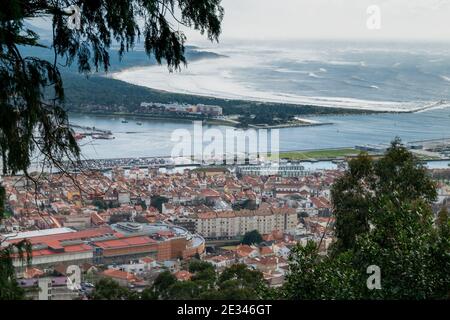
point(108, 289)
point(360, 196)
point(33, 118)
point(384, 219)
point(32, 114)
point(234, 283)
point(237, 282)
point(252, 237)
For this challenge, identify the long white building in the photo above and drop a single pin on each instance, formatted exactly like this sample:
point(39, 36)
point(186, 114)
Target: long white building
point(232, 224)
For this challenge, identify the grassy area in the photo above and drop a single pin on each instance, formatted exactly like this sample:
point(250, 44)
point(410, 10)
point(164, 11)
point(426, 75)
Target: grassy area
point(422, 157)
point(7, 214)
point(319, 154)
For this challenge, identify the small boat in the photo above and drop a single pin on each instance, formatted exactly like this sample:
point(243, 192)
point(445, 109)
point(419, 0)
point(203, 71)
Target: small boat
point(103, 137)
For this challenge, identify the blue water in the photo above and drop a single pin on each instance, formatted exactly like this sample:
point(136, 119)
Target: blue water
point(153, 138)
point(362, 129)
point(397, 72)
point(372, 71)
point(375, 72)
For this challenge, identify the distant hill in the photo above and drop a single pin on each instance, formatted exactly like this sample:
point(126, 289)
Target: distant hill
point(134, 58)
point(98, 91)
point(83, 94)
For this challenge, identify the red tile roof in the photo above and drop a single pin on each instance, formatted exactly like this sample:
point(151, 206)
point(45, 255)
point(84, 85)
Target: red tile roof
point(72, 249)
point(266, 251)
point(210, 193)
point(85, 234)
point(125, 242)
point(147, 260)
point(183, 275)
point(32, 273)
point(122, 275)
point(320, 202)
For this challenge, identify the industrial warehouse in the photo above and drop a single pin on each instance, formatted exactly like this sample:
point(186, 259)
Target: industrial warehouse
point(117, 243)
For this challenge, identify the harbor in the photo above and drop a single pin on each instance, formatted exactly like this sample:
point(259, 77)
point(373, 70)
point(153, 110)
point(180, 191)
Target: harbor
point(82, 132)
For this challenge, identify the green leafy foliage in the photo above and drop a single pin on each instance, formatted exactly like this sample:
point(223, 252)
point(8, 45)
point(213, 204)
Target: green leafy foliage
point(252, 237)
point(234, 283)
point(383, 218)
point(9, 288)
point(398, 178)
point(163, 283)
point(240, 272)
point(158, 201)
point(21, 251)
point(314, 277)
point(33, 117)
point(108, 289)
point(2, 201)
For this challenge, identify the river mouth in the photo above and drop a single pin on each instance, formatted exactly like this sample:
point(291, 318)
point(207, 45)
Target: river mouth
point(155, 138)
point(367, 77)
point(190, 83)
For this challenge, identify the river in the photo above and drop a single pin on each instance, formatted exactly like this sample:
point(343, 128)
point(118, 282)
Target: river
point(153, 138)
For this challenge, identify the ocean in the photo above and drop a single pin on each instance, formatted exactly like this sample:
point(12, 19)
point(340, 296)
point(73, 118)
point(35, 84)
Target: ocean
point(373, 76)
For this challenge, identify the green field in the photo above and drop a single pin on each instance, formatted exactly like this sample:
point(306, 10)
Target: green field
point(7, 214)
point(319, 154)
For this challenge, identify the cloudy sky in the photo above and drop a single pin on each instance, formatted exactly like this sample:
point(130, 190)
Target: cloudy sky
point(336, 19)
point(331, 19)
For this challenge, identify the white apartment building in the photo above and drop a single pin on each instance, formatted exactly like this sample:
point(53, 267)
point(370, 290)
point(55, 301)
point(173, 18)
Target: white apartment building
point(236, 223)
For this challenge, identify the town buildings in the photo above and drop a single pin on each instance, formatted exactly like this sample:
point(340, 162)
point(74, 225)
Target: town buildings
point(130, 224)
point(176, 108)
point(232, 224)
point(283, 170)
point(118, 243)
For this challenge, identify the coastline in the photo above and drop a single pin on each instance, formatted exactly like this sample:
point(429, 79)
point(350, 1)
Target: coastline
point(137, 76)
point(217, 122)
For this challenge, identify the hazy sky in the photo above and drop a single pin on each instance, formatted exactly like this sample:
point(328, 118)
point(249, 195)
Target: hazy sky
point(332, 19)
point(340, 19)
